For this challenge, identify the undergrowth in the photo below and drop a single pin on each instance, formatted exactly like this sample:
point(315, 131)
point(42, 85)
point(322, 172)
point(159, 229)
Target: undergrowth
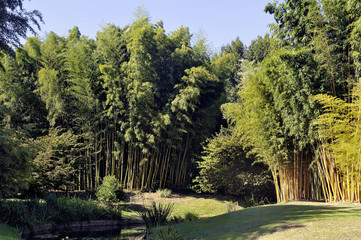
point(33, 212)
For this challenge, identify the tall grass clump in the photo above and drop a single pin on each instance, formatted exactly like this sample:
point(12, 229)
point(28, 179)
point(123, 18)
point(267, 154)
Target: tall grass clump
point(169, 233)
point(188, 217)
point(33, 212)
point(164, 192)
point(76, 209)
point(157, 214)
point(191, 217)
point(29, 213)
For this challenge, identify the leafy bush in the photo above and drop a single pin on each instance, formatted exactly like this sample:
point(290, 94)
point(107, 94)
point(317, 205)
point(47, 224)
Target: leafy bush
point(226, 169)
point(166, 233)
point(55, 163)
point(164, 192)
point(157, 214)
point(191, 216)
point(110, 190)
point(15, 157)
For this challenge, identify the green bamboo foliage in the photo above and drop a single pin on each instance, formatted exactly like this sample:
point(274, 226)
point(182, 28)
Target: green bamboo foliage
point(339, 131)
point(136, 100)
point(273, 118)
point(254, 120)
point(329, 29)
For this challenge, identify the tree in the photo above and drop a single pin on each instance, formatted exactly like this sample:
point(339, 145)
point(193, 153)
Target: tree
point(53, 80)
point(16, 153)
point(15, 22)
point(227, 64)
point(293, 21)
point(260, 48)
point(25, 110)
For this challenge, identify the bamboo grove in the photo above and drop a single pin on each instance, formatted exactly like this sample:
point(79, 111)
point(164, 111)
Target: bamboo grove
point(139, 103)
point(296, 109)
point(135, 103)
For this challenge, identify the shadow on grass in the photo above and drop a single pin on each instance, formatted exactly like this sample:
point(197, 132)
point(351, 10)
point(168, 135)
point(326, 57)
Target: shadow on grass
point(252, 223)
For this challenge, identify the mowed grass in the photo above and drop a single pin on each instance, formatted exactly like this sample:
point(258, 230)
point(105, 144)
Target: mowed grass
point(281, 221)
point(8, 233)
point(201, 205)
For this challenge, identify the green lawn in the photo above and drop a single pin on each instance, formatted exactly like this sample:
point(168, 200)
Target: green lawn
point(201, 205)
point(283, 221)
point(301, 220)
point(8, 233)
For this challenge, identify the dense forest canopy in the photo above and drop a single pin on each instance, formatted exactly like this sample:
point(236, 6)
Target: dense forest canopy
point(156, 109)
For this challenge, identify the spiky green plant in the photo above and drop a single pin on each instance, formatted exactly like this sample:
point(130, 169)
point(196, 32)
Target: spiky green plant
point(157, 214)
point(168, 233)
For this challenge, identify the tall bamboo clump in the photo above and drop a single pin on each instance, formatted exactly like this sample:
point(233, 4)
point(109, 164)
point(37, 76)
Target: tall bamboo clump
point(156, 103)
point(340, 140)
point(272, 118)
point(293, 180)
point(139, 101)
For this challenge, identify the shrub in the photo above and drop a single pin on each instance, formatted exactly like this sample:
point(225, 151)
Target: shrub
point(166, 233)
point(157, 214)
point(110, 190)
point(15, 157)
point(164, 192)
point(225, 168)
point(232, 206)
point(54, 166)
point(191, 216)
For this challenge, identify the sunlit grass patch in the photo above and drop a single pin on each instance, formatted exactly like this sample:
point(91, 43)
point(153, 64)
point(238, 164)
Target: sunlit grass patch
point(280, 221)
point(199, 205)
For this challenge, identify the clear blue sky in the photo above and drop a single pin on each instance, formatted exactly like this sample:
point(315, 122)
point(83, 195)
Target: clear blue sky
point(221, 20)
